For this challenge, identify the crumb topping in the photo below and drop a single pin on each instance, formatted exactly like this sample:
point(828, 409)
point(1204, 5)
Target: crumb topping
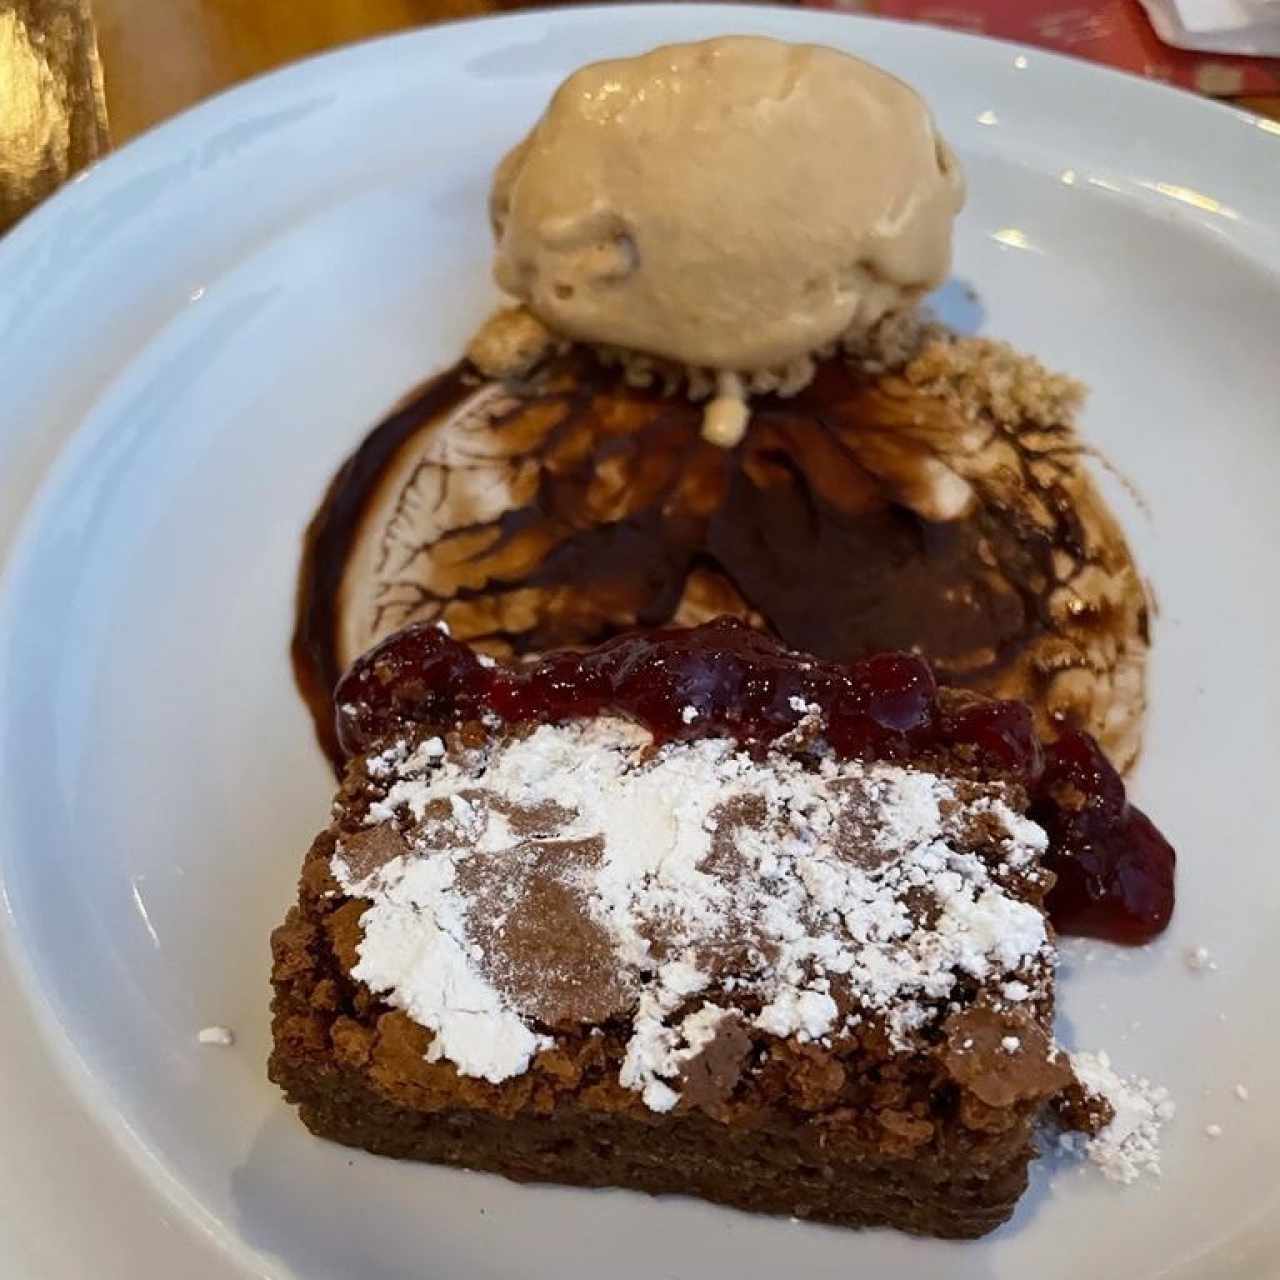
point(980, 378)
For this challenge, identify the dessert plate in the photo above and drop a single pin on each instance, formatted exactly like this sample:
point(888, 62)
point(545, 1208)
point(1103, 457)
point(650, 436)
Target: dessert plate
point(196, 332)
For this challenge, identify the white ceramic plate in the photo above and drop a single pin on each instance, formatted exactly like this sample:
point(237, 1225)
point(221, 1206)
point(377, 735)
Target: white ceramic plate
point(194, 335)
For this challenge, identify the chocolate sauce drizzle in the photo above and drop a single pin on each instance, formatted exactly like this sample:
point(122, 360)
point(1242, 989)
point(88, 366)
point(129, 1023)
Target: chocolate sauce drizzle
point(574, 507)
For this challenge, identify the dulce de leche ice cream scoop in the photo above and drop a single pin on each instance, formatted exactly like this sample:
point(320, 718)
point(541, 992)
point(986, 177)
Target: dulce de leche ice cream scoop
point(731, 206)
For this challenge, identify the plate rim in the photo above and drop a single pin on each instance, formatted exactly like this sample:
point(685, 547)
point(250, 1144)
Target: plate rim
point(41, 502)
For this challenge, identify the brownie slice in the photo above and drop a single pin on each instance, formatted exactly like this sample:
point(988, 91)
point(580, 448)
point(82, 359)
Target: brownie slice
point(766, 973)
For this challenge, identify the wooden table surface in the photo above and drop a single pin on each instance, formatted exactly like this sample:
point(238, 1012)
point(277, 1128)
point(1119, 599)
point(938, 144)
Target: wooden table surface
point(159, 56)
point(162, 55)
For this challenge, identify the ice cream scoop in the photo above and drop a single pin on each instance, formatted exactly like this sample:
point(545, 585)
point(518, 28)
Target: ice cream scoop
point(731, 206)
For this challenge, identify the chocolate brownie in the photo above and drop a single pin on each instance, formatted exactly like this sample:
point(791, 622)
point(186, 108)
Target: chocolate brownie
point(688, 914)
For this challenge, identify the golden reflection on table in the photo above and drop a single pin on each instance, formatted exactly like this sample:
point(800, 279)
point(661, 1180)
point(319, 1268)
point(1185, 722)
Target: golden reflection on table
point(52, 116)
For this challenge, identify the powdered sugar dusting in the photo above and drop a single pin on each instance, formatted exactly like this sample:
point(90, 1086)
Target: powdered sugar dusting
point(657, 1050)
point(415, 950)
point(812, 871)
point(1129, 1146)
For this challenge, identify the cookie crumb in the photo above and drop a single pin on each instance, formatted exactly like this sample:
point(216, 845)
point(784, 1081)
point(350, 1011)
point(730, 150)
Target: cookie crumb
point(1241, 1092)
point(1213, 1130)
point(510, 343)
point(980, 377)
point(223, 1037)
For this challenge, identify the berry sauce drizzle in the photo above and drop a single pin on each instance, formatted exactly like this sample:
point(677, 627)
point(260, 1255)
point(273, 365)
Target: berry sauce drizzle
point(1114, 870)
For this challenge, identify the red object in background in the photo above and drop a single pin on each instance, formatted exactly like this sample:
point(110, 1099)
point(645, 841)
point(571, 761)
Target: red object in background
point(1112, 31)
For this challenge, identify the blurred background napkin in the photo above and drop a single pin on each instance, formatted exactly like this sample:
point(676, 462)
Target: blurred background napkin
point(1116, 32)
point(1249, 27)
